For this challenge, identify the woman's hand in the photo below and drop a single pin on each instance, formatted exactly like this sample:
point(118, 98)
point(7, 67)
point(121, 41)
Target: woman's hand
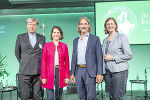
point(66, 81)
point(44, 81)
point(108, 57)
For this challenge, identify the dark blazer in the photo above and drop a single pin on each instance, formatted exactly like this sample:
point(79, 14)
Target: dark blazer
point(93, 56)
point(29, 57)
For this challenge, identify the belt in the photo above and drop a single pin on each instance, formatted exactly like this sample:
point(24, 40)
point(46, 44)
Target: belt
point(82, 66)
point(56, 66)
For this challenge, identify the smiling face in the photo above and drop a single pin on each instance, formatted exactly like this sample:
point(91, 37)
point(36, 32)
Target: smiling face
point(84, 26)
point(31, 26)
point(111, 26)
point(56, 35)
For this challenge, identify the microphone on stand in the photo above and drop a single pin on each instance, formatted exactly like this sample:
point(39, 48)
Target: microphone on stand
point(146, 94)
point(146, 73)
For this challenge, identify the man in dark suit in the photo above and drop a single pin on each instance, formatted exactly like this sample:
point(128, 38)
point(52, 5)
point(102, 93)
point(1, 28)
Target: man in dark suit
point(28, 51)
point(86, 66)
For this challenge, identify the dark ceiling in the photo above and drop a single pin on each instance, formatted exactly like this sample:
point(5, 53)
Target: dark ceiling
point(21, 4)
point(5, 4)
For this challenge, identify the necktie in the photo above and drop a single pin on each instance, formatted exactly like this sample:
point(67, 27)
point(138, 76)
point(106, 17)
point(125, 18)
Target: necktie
point(33, 41)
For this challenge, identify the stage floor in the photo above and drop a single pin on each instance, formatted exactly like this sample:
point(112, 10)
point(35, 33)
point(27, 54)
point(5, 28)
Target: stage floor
point(137, 95)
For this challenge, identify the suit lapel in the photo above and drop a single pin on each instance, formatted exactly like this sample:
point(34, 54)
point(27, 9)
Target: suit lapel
point(37, 45)
point(37, 41)
point(76, 45)
point(89, 41)
point(27, 39)
point(104, 45)
point(113, 39)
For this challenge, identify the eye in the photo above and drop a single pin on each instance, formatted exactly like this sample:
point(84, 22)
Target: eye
point(112, 23)
point(107, 24)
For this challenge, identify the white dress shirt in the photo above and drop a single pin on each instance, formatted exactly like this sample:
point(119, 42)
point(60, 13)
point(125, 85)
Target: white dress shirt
point(32, 39)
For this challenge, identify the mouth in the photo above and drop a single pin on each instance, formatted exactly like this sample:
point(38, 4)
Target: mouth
point(111, 27)
point(56, 36)
point(31, 30)
point(83, 28)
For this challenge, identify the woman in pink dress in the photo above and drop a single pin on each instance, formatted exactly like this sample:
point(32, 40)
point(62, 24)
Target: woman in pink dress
point(55, 65)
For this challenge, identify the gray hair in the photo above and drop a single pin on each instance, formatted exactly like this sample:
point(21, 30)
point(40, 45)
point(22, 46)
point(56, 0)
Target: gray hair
point(29, 20)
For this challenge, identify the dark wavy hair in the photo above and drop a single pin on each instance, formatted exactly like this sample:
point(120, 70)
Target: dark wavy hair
point(61, 32)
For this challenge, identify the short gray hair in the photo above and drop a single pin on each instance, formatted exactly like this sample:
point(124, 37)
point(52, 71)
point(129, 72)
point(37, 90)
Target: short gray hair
point(29, 20)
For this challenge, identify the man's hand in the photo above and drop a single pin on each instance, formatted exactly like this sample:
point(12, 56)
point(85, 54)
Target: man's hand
point(73, 80)
point(99, 79)
point(44, 81)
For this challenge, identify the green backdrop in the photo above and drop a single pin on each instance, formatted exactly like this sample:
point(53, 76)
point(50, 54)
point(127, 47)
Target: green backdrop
point(133, 18)
point(12, 25)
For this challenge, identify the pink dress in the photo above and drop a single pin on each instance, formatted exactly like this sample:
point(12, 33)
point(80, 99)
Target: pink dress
point(47, 64)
